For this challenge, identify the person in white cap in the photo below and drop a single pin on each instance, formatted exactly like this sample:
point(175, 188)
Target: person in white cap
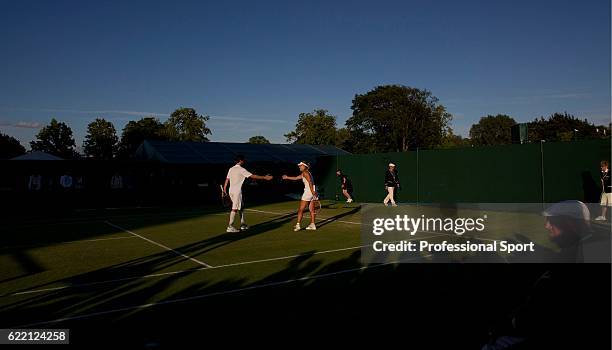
point(568, 225)
point(310, 195)
point(235, 178)
point(391, 185)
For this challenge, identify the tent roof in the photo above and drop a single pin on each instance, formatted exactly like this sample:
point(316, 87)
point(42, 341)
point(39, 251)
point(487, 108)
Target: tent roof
point(37, 155)
point(224, 152)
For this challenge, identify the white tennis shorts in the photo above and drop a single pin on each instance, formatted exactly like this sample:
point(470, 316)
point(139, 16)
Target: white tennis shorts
point(236, 200)
point(606, 200)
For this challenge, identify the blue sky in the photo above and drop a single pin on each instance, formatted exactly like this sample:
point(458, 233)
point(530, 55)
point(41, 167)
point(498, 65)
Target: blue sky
point(253, 66)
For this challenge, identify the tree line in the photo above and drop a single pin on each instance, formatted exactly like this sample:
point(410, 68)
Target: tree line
point(102, 142)
point(396, 118)
point(389, 118)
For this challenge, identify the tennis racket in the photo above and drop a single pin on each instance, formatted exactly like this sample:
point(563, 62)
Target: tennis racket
point(317, 205)
point(225, 199)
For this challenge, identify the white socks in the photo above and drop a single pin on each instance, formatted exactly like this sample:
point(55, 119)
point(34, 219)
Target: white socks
point(232, 217)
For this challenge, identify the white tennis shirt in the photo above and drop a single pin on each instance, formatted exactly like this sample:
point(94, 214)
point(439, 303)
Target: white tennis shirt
point(236, 175)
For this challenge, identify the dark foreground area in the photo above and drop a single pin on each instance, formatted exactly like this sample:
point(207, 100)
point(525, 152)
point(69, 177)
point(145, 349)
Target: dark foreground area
point(409, 306)
point(116, 278)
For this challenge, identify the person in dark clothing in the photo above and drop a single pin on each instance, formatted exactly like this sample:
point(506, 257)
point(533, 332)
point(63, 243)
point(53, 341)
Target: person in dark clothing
point(606, 189)
point(557, 305)
point(568, 225)
point(392, 184)
point(346, 185)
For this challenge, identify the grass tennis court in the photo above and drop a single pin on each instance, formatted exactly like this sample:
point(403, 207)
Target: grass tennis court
point(153, 268)
point(124, 244)
point(114, 262)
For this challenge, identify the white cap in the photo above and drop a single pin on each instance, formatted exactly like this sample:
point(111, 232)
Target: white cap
point(572, 209)
point(391, 164)
point(304, 164)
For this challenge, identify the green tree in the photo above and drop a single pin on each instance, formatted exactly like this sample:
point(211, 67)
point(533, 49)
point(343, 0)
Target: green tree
point(55, 138)
point(10, 147)
point(565, 127)
point(343, 138)
point(397, 118)
point(316, 128)
point(101, 140)
point(258, 140)
point(135, 132)
point(450, 140)
point(185, 124)
point(354, 141)
point(492, 130)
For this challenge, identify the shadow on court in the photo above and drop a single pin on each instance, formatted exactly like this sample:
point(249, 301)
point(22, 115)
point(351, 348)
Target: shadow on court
point(329, 220)
point(305, 299)
point(28, 265)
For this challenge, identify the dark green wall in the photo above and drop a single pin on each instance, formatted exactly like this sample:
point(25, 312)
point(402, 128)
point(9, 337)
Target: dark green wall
point(571, 170)
point(530, 173)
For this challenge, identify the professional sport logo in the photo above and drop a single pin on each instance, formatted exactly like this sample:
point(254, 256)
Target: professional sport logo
point(482, 233)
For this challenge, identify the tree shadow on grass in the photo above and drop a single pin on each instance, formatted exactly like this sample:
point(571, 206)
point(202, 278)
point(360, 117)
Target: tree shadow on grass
point(338, 217)
point(309, 297)
point(154, 263)
point(27, 264)
point(305, 297)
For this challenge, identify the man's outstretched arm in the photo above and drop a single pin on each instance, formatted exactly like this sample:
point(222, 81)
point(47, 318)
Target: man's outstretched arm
point(259, 177)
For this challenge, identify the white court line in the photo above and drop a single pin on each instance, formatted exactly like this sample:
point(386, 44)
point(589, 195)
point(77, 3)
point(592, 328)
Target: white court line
point(138, 216)
point(210, 267)
point(65, 242)
point(224, 214)
point(231, 291)
point(194, 270)
point(159, 244)
point(292, 212)
point(306, 254)
point(104, 282)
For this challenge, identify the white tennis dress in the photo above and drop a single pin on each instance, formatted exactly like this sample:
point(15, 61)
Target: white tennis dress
point(308, 195)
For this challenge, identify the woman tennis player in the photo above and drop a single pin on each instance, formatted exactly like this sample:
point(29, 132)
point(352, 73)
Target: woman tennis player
point(308, 198)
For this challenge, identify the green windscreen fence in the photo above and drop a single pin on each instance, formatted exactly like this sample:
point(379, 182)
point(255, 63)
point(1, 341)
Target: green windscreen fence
point(571, 170)
point(527, 173)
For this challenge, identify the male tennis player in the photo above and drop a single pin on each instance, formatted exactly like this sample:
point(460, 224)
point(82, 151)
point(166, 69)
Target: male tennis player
point(310, 195)
point(235, 178)
point(606, 190)
point(346, 185)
